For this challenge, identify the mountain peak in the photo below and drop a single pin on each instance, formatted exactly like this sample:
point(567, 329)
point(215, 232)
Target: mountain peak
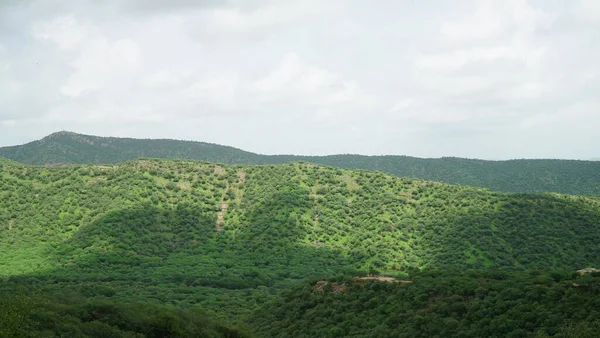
point(59, 134)
point(69, 136)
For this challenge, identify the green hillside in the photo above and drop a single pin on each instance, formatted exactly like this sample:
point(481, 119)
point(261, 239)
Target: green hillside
point(531, 176)
point(228, 238)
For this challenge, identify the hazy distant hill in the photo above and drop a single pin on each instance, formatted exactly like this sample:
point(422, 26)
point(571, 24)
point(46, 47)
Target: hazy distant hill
point(562, 176)
point(66, 147)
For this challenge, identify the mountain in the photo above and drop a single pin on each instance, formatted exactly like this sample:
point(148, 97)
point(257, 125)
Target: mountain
point(534, 176)
point(229, 238)
point(71, 148)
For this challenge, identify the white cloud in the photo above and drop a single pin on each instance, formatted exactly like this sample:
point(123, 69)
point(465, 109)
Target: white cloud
point(217, 89)
point(163, 79)
point(293, 75)
point(65, 32)
point(294, 79)
point(588, 10)
point(101, 64)
point(494, 18)
point(244, 21)
point(8, 123)
point(402, 105)
point(318, 77)
point(495, 57)
point(98, 63)
point(458, 59)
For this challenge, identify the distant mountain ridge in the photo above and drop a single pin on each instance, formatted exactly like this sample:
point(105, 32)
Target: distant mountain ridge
point(73, 148)
point(531, 176)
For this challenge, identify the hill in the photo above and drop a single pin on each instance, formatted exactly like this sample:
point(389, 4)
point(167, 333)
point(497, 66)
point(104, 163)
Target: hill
point(71, 148)
point(533, 176)
point(228, 238)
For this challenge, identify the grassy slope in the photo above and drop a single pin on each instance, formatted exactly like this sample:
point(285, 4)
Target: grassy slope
point(533, 176)
point(148, 229)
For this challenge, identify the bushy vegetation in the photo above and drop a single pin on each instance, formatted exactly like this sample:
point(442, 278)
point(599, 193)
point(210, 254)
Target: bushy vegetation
point(440, 304)
point(70, 315)
point(227, 239)
point(527, 176)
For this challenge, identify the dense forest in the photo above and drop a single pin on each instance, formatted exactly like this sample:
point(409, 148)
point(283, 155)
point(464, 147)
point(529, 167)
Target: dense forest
point(527, 176)
point(217, 247)
point(439, 304)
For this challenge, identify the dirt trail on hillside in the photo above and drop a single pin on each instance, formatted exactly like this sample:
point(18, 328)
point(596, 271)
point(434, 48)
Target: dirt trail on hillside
point(242, 176)
point(221, 216)
point(382, 279)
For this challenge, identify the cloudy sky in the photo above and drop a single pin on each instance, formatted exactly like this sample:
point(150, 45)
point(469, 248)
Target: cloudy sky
point(486, 79)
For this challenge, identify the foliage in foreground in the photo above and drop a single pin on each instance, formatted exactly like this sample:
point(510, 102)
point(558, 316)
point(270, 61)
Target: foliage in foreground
point(536, 304)
point(436, 304)
point(69, 315)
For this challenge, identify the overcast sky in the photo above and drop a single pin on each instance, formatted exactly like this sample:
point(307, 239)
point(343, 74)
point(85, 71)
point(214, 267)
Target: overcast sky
point(480, 79)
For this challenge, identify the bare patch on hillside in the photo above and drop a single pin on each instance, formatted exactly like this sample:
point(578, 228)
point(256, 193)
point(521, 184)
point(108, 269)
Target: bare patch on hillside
point(82, 139)
point(221, 216)
point(313, 194)
point(57, 164)
point(335, 287)
point(242, 175)
point(321, 286)
point(381, 279)
point(184, 185)
point(143, 164)
point(587, 271)
point(350, 182)
point(96, 180)
point(307, 165)
point(219, 170)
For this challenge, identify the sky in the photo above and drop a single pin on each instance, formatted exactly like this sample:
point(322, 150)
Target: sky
point(479, 79)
